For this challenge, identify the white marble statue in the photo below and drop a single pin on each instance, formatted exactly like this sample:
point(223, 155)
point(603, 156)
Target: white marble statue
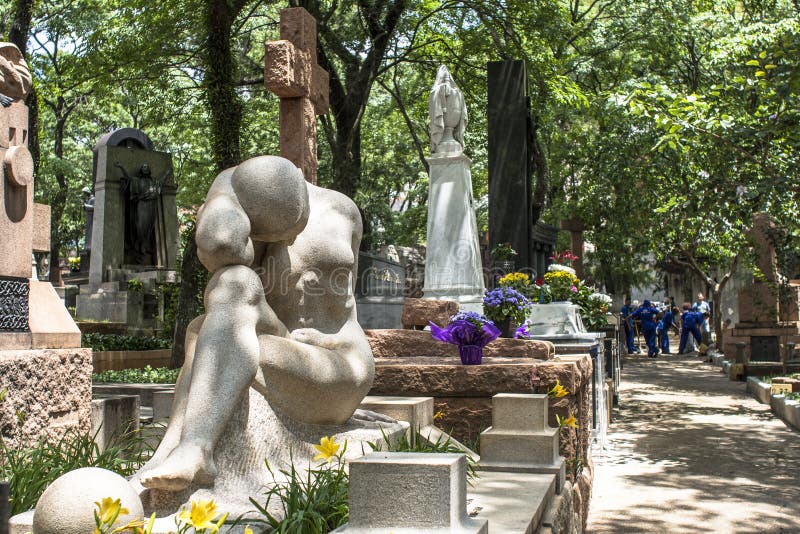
point(280, 316)
point(448, 114)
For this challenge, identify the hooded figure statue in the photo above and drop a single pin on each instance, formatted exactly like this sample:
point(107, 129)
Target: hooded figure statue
point(448, 114)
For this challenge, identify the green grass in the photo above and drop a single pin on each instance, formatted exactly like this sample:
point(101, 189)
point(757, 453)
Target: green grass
point(148, 375)
point(30, 470)
point(312, 502)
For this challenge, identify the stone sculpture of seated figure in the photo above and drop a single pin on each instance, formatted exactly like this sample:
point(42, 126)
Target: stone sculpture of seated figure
point(280, 314)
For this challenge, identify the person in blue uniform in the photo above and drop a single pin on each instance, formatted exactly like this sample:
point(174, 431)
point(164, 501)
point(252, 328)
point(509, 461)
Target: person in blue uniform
point(691, 322)
point(663, 328)
point(626, 312)
point(647, 314)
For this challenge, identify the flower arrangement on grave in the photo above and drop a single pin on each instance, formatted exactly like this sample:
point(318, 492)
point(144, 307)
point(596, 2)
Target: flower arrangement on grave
point(503, 252)
point(506, 305)
point(565, 257)
point(74, 263)
point(519, 281)
point(471, 331)
point(561, 282)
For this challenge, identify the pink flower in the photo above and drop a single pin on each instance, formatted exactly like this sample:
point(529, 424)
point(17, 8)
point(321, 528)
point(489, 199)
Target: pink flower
point(573, 289)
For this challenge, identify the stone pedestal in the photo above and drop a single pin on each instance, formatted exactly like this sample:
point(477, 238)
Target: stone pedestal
point(255, 433)
point(453, 267)
point(410, 492)
point(520, 438)
point(51, 387)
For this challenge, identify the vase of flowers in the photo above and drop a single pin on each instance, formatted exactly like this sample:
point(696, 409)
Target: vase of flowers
point(470, 331)
point(503, 304)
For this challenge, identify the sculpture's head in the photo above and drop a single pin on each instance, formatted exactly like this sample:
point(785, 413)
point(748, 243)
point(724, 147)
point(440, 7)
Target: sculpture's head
point(144, 171)
point(443, 76)
point(274, 195)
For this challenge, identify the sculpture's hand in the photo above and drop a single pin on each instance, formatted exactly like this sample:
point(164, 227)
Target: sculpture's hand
point(312, 336)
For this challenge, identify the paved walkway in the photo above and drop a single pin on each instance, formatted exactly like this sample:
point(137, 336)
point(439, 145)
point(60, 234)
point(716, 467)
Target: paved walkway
point(689, 451)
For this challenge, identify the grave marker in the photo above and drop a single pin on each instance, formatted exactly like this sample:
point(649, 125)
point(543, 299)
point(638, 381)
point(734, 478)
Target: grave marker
point(292, 73)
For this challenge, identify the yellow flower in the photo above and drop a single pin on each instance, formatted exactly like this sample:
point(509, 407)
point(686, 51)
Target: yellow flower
point(134, 526)
point(514, 278)
point(201, 516)
point(438, 415)
point(327, 449)
point(248, 530)
point(569, 421)
point(558, 391)
point(109, 509)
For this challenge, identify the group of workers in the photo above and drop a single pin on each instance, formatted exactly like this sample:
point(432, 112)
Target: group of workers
point(657, 321)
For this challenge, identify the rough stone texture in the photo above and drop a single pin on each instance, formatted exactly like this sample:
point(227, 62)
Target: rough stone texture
point(410, 492)
point(418, 312)
point(574, 373)
point(52, 387)
point(15, 77)
point(391, 344)
point(446, 377)
point(67, 505)
point(41, 228)
point(416, 411)
point(257, 432)
point(292, 73)
point(757, 304)
point(16, 223)
point(463, 393)
point(14, 119)
point(560, 517)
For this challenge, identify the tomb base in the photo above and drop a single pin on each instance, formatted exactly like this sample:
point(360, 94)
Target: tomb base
point(257, 433)
point(132, 298)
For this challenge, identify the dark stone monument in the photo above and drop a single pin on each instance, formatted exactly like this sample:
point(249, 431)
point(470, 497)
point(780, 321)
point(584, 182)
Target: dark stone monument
point(134, 229)
point(509, 176)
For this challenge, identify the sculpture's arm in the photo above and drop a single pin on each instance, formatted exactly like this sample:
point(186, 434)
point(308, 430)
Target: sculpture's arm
point(223, 233)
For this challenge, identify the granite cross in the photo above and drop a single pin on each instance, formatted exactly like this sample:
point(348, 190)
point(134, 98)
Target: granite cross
point(292, 73)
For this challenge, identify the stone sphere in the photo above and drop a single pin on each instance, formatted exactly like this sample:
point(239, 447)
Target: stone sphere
point(67, 505)
point(274, 194)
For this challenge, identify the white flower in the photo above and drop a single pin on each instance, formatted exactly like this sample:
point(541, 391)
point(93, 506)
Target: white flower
point(559, 267)
point(601, 298)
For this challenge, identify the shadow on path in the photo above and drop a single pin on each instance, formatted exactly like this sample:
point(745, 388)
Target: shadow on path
point(689, 451)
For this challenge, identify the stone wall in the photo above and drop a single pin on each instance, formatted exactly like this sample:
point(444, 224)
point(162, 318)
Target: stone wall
point(51, 391)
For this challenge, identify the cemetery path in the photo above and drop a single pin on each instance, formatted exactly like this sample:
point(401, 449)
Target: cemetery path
point(690, 451)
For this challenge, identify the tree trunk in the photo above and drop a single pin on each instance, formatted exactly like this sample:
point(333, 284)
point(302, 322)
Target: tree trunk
point(188, 300)
point(59, 200)
point(226, 120)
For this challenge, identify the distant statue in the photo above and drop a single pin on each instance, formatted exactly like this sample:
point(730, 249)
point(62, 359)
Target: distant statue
point(15, 78)
point(88, 208)
point(448, 114)
point(142, 193)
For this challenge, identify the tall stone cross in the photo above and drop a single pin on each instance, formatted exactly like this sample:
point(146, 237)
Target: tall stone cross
point(292, 73)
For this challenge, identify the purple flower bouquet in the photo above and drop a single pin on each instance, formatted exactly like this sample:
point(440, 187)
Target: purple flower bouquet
point(471, 332)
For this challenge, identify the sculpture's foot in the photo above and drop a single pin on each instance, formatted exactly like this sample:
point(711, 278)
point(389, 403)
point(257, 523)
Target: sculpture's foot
point(184, 465)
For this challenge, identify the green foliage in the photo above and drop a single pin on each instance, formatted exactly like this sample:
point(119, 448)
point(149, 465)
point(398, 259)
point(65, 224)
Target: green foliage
point(102, 342)
point(312, 501)
point(31, 470)
point(147, 375)
point(135, 285)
